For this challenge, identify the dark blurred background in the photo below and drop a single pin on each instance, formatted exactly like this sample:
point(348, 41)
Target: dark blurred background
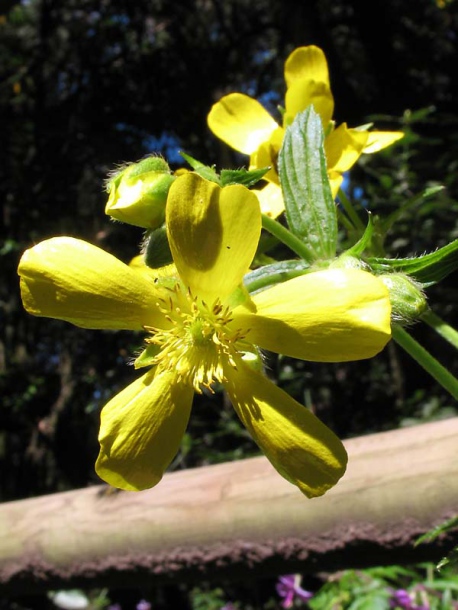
point(86, 85)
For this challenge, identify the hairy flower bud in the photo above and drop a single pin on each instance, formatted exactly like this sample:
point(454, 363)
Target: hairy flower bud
point(408, 300)
point(138, 193)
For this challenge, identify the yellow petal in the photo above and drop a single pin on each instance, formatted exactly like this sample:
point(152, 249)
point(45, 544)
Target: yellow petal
point(141, 430)
point(343, 147)
point(335, 180)
point(267, 155)
point(307, 81)
point(70, 279)
point(241, 122)
point(306, 63)
point(378, 140)
point(167, 271)
point(270, 199)
point(213, 234)
point(298, 444)
point(335, 315)
point(302, 93)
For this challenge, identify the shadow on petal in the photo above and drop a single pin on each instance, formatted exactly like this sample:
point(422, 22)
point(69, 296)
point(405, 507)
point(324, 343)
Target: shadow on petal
point(141, 430)
point(299, 446)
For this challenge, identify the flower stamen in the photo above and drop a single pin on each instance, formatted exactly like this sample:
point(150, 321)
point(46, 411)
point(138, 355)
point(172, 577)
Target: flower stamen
point(199, 342)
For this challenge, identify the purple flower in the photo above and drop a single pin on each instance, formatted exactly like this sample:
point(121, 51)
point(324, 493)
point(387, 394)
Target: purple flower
point(403, 599)
point(288, 587)
point(143, 605)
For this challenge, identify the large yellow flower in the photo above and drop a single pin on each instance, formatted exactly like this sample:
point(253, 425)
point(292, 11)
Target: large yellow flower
point(202, 327)
point(245, 125)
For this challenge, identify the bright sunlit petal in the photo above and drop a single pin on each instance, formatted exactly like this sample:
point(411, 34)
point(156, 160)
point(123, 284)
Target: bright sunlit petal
point(267, 155)
point(298, 444)
point(70, 279)
point(335, 180)
point(306, 63)
point(335, 315)
point(242, 122)
point(378, 140)
point(213, 233)
point(343, 147)
point(141, 430)
point(302, 93)
point(271, 199)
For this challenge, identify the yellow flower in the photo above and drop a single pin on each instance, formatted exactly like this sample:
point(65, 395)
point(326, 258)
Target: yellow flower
point(245, 125)
point(202, 327)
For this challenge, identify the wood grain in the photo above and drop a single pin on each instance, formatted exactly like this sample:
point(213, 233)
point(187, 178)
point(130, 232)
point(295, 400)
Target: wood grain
point(239, 519)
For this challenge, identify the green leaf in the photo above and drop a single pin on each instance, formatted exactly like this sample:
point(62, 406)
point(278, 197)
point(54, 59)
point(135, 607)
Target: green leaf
point(388, 222)
point(242, 176)
point(310, 209)
point(200, 168)
point(450, 559)
point(427, 269)
point(419, 115)
point(440, 529)
point(375, 600)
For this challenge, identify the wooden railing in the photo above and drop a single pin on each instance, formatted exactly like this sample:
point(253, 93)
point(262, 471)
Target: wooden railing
point(239, 518)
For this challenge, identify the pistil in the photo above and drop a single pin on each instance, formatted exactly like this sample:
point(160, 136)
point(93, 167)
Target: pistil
point(199, 343)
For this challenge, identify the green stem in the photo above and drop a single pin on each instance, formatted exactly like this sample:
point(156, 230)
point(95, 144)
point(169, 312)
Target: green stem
point(257, 283)
point(428, 362)
point(350, 211)
point(286, 237)
point(446, 331)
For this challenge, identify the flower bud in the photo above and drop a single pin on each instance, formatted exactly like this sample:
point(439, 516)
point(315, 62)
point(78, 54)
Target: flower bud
point(408, 300)
point(138, 193)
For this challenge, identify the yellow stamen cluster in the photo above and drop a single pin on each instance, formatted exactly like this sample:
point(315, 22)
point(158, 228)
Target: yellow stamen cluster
point(198, 342)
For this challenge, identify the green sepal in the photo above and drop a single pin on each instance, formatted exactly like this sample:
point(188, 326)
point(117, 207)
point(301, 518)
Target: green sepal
point(427, 269)
point(242, 176)
point(147, 356)
point(365, 241)
point(149, 164)
point(205, 171)
point(275, 273)
point(408, 301)
point(310, 209)
point(157, 249)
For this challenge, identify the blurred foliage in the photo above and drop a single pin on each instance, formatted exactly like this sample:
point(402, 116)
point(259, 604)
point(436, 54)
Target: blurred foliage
point(419, 588)
point(379, 588)
point(87, 85)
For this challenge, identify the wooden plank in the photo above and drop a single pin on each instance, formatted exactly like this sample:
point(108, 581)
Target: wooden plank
point(239, 519)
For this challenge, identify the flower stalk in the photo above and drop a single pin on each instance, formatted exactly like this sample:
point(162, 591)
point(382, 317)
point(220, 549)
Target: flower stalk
point(426, 360)
point(286, 237)
point(443, 329)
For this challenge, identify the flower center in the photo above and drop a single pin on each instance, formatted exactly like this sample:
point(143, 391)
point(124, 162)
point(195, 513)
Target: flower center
point(199, 342)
